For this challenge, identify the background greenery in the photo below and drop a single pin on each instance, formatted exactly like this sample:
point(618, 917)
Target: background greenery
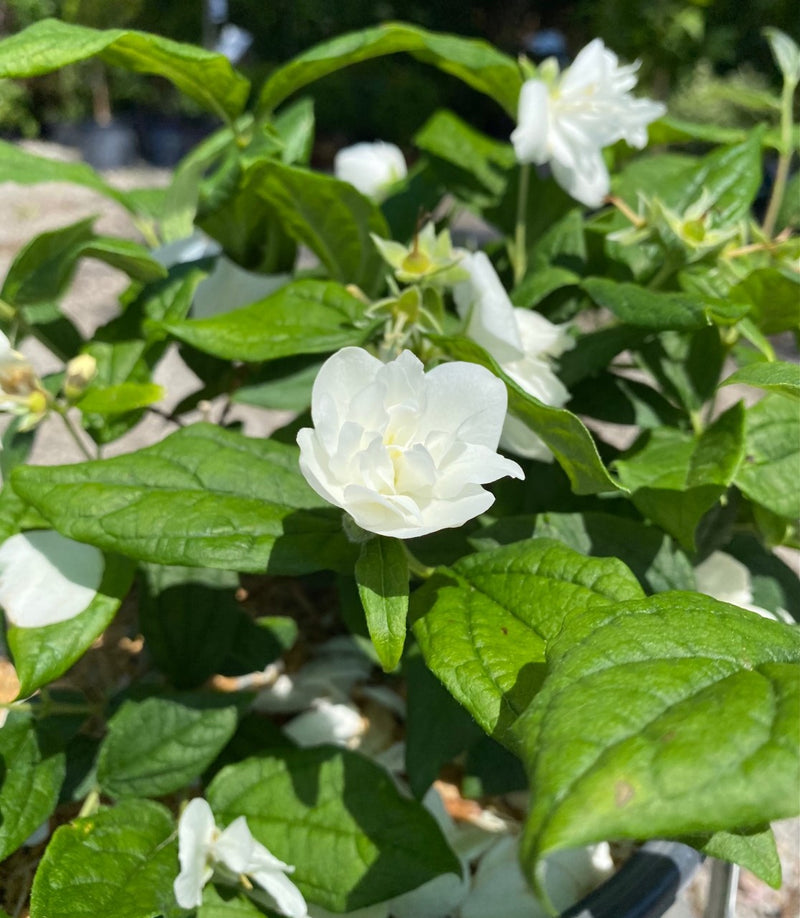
point(707, 56)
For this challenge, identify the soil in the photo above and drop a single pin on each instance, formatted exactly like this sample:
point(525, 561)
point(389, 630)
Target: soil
point(92, 300)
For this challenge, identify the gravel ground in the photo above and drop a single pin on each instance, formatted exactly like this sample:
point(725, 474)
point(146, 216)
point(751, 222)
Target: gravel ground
point(92, 300)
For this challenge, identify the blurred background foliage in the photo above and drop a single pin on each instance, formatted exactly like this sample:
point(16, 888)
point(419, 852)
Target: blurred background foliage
point(706, 57)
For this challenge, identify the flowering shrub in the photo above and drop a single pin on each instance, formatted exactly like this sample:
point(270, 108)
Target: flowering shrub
point(486, 548)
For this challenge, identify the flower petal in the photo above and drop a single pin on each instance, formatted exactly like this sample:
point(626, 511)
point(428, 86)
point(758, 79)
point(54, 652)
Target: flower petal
point(196, 829)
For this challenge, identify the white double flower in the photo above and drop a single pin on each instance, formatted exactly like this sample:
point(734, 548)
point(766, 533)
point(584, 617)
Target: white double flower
point(404, 452)
point(566, 119)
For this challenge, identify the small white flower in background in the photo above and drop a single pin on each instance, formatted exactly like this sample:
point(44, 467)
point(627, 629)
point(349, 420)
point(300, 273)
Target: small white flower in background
point(46, 578)
point(724, 578)
point(404, 452)
point(520, 340)
point(21, 390)
point(372, 168)
point(567, 119)
point(233, 852)
point(325, 722)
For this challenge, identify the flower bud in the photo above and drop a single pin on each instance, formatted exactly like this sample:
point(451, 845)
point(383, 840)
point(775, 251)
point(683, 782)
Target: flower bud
point(81, 370)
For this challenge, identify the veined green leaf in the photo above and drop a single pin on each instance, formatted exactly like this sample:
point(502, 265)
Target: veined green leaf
point(382, 577)
point(775, 376)
point(483, 625)
point(663, 717)
point(339, 819)
point(304, 317)
point(205, 76)
point(120, 862)
point(32, 778)
point(475, 62)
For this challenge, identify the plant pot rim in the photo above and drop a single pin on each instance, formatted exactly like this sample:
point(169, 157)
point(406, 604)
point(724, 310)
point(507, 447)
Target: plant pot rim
point(645, 886)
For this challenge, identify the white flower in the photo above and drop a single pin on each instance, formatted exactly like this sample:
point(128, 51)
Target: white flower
point(326, 722)
point(203, 848)
point(372, 168)
point(569, 119)
point(21, 389)
point(46, 578)
point(521, 341)
point(402, 451)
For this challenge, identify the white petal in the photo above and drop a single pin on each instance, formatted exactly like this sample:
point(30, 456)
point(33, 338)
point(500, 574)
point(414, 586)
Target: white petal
point(342, 377)
point(46, 578)
point(484, 302)
point(339, 724)
point(467, 401)
point(520, 440)
point(530, 137)
point(499, 879)
point(571, 874)
point(723, 577)
point(370, 167)
point(588, 183)
point(540, 337)
point(196, 831)
point(287, 898)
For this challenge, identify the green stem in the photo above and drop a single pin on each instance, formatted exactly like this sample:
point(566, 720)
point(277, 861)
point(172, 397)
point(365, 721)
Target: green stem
point(62, 412)
point(520, 232)
point(663, 274)
point(416, 567)
point(784, 160)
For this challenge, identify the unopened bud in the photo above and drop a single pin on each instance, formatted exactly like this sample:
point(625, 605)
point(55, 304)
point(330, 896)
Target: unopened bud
point(81, 370)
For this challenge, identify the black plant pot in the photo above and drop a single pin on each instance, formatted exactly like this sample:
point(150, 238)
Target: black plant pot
point(644, 887)
point(108, 146)
point(164, 140)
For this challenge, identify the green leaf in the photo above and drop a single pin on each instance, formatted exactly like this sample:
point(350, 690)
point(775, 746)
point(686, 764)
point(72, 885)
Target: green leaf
point(638, 306)
point(127, 396)
point(786, 53)
point(755, 850)
point(227, 903)
point(205, 76)
point(437, 727)
point(676, 479)
point(664, 717)
point(477, 63)
point(31, 779)
point(283, 385)
point(774, 298)
point(562, 431)
point(304, 317)
point(768, 474)
point(329, 216)
point(295, 127)
point(161, 744)
point(203, 497)
point(43, 269)
point(26, 168)
point(483, 624)
point(447, 137)
point(652, 556)
point(119, 862)
point(776, 376)
point(382, 577)
point(189, 618)
point(43, 654)
point(353, 838)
